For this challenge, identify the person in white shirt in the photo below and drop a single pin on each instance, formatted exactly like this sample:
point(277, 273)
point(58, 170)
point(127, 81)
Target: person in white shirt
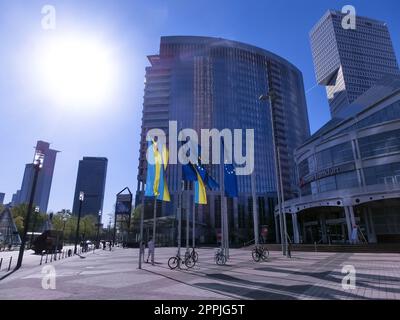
point(150, 246)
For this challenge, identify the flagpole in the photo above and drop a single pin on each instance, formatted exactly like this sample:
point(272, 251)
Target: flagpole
point(283, 214)
point(194, 218)
point(179, 209)
point(154, 228)
point(141, 228)
point(187, 217)
point(255, 211)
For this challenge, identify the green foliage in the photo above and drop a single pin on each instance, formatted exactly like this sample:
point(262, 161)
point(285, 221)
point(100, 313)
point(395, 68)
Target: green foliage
point(61, 221)
point(136, 213)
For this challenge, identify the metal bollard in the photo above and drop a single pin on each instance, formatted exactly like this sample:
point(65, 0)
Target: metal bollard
point(46, 257)
point(51, 257)
point(9, 265)
point(315, 246)
point(1, 262)
point(41, 259)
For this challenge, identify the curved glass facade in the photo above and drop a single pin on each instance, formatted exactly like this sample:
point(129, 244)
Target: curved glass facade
point(349, 174)
point(206, 83)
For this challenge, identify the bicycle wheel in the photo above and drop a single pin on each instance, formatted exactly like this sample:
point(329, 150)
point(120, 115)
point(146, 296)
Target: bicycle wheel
point(220, 259)
point(265, 254)
point(195, 256)
point(256, 255)
point(189, 262)
point(173, 262)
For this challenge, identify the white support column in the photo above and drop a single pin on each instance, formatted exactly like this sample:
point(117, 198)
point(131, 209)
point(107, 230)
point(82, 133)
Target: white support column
point(352, 218)
point(295, 228)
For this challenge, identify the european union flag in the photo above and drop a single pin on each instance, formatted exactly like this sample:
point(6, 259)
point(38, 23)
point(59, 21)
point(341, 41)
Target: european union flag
point(230, 181)
point(188, 172)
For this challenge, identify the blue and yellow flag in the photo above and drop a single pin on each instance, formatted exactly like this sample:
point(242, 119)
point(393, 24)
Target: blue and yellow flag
point(156, 185)
point(200, 195)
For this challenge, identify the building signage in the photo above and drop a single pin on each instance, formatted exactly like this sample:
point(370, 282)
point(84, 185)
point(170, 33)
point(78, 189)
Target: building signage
point(327, 173)
point(124, 204)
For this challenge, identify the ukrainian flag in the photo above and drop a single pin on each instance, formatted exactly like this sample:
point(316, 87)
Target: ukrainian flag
point(156, 184)
point(200, 195)
point(162, 192)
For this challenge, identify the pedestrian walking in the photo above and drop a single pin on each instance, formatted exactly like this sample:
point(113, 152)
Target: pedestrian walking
point(150, 246)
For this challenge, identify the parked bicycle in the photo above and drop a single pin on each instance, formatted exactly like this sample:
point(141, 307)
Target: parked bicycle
point(193, 255)
point(220, 257)
point(260, 253)
point(177, 261)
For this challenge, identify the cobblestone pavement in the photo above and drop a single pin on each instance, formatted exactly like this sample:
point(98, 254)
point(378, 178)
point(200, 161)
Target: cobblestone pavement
point(115, 275)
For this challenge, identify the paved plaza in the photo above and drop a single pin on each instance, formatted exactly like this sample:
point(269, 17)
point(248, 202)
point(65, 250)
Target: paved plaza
point(115, 275)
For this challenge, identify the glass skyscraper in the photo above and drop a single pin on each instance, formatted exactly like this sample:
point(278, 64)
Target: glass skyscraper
point(91, 180)
point(206, 83)
point(349, 62)
point(45, 178)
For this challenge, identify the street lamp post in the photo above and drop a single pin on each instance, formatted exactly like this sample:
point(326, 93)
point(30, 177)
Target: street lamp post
point(63, 234)
point(37, 165)
point(81, 198)
point(98, 230)
point(34, 225)
point(270, 97)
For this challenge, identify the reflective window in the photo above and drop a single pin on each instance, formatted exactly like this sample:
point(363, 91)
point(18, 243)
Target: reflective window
point(303, 168)
point(382, 143)
point(391, 112)
point(384, 174)
point(347, 180)
point(336, 155)
point(327, 184)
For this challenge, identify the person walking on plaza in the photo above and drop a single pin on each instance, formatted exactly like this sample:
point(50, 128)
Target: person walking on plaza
point(150, 246)
point(354, 235)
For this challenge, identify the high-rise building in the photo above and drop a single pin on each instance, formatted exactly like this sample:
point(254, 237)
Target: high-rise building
point(45, 177)
point(2, 195)
point(350, 61)
point(91, 180)
point(15, 198)
point(207, 83)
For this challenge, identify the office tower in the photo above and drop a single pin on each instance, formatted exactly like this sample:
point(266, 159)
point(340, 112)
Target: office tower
point(44, 181)
point(91, 180)
point(206, 83)
point(348, 62)
point(2, 195)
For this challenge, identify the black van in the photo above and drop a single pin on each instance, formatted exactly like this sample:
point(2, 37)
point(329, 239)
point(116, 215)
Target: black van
point(50, 241)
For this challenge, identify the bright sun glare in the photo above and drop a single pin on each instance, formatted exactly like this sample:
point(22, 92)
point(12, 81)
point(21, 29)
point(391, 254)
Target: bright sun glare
point(76, 71)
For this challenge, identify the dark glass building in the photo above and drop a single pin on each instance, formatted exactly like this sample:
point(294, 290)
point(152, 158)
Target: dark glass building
point(45, 178)
point(206, 83)
point(91, 180)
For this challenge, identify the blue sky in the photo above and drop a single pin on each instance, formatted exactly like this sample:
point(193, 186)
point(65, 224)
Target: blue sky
point(131, 29)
